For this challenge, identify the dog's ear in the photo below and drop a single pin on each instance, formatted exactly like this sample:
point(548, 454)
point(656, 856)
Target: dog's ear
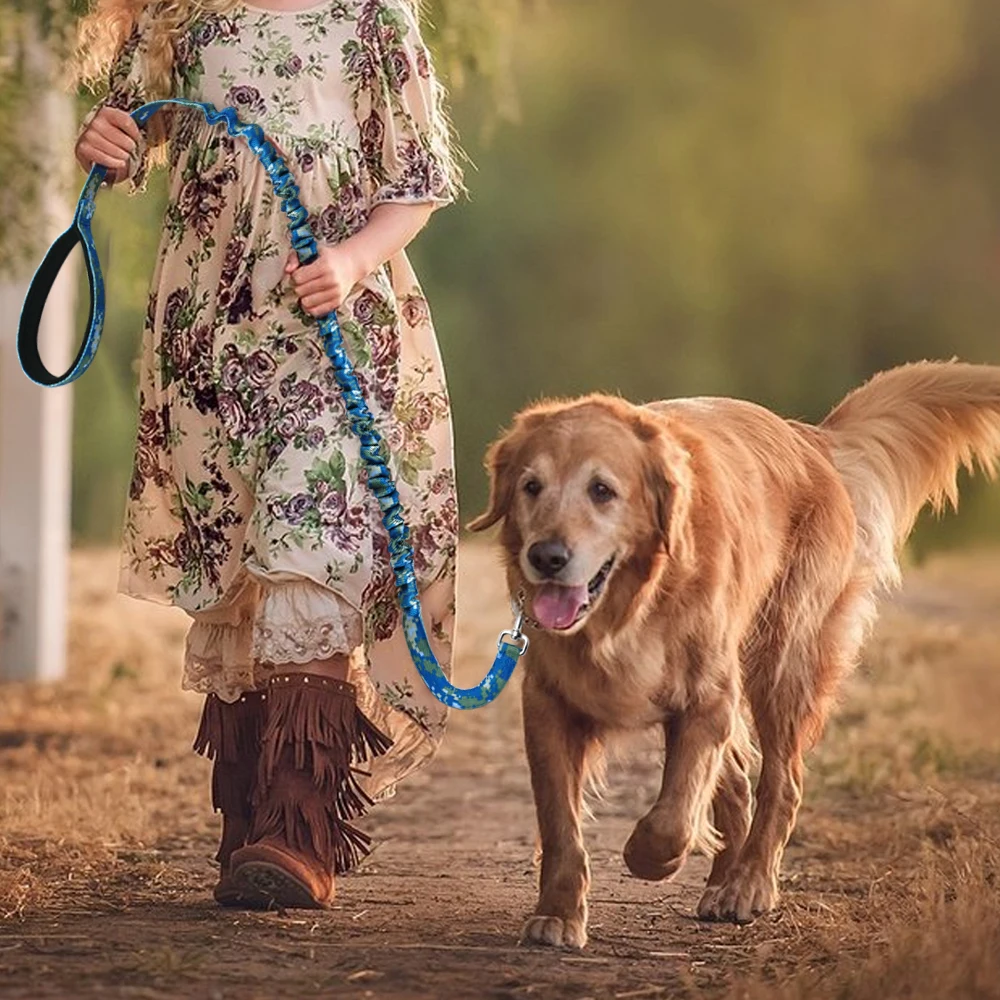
point(498, 465)
point(670, 478)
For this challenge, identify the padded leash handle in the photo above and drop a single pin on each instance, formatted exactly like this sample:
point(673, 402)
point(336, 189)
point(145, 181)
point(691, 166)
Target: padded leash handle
point(374, 451)
point(79, 233)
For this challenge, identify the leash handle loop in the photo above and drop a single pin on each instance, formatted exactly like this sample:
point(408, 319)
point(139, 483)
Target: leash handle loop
point(79, 233)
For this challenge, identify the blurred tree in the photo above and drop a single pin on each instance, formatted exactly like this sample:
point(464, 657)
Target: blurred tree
point(35, 425)
point(474, 39)
point(24, 24)
point(714, 197)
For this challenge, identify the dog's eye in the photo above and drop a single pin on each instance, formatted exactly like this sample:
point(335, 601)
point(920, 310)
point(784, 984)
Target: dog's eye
point(532, 487)
point(601, 492)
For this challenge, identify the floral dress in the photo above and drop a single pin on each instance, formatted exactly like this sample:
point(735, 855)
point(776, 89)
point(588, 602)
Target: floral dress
point(248, 505)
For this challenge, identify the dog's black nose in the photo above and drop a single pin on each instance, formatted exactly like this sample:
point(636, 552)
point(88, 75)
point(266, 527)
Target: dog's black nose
point(548, 558)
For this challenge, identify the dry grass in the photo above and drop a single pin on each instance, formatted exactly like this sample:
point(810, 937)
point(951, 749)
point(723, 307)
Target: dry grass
point(895, 866)
point(88, 766)
point(891, 878)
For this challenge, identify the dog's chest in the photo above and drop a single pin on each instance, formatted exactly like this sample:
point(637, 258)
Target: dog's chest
point(618, 685)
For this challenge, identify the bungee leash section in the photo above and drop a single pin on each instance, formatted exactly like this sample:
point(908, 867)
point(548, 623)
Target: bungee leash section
point(512, 643)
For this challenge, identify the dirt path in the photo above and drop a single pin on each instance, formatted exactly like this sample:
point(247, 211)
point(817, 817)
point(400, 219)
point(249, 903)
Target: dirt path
point(105, 842)
point(435, 912)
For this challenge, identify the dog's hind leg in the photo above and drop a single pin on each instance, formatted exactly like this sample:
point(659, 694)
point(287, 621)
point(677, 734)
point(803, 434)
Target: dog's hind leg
point(789, 701)
point(732, 810)
point(750, 885)
point(558, 746)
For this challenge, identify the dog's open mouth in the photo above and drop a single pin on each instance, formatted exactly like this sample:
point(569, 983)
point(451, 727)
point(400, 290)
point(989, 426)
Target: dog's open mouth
point(559, 607)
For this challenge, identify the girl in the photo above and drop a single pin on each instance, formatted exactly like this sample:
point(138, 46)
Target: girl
point(248, 505)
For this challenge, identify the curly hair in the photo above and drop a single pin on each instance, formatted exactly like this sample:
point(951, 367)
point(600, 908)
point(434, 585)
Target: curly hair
point(102, 33)
point(104, 30)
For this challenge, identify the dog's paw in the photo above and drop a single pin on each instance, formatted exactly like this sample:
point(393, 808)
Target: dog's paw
point(654, 852)
point(555, 932)
point(708, 904)
point(746, 893)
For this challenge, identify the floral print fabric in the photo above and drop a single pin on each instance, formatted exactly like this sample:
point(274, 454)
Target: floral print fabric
point(248, 506)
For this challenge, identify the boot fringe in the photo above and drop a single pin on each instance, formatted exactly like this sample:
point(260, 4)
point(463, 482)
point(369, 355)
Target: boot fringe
point(229, 735)
point(316, 728)
point(232, 785)
point(230, 731)
point(309, 827)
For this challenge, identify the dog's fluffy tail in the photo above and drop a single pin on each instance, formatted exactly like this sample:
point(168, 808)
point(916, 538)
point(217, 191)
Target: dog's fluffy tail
point(898, 442)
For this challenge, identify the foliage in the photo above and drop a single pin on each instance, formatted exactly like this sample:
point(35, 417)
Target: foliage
point(473, 40)
point(126, 231)
point(17, 196)
point(767, 200)
point(25, 26)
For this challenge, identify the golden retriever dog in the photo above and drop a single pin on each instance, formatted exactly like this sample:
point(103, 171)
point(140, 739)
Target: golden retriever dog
point(684, 559)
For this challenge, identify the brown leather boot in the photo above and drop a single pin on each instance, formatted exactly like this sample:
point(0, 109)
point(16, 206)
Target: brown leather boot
point(229, 735)
point(306, 792)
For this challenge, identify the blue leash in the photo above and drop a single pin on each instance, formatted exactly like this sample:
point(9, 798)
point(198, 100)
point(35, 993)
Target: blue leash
point(512, 643)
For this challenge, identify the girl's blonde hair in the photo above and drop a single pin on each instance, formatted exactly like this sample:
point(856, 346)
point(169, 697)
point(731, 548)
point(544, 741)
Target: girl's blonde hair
point(103, 32)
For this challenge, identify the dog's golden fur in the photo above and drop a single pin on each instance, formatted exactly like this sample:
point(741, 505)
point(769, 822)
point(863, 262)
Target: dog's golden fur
point(748, 554)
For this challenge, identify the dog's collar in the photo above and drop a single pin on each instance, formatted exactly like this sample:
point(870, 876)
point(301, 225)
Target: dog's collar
point(517, 605)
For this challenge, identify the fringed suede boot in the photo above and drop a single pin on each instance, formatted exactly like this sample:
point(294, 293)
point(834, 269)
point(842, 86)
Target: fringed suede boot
point(230, 735)
point(306, 793)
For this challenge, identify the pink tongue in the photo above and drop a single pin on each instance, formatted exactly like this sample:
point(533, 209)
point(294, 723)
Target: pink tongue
point(557, 607)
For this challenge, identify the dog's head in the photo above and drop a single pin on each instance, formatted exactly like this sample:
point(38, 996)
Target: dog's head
point(584, 489)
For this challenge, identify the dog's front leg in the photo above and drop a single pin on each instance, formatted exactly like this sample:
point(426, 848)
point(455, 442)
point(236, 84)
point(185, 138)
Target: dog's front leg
point(696, 744)
point(557, 745)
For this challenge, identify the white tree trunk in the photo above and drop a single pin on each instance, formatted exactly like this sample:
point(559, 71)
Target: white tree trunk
point(35, 435)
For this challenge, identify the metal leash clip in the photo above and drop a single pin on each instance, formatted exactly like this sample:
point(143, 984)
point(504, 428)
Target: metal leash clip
point(515, 633)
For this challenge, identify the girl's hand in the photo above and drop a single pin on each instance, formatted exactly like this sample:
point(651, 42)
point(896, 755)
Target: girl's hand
point(323, 285)
point(109, 140)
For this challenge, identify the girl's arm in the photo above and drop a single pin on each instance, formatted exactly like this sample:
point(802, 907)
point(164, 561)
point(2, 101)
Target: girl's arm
point(406, 147)
point(390, 228)
point(323, 285)
point(108, 135)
